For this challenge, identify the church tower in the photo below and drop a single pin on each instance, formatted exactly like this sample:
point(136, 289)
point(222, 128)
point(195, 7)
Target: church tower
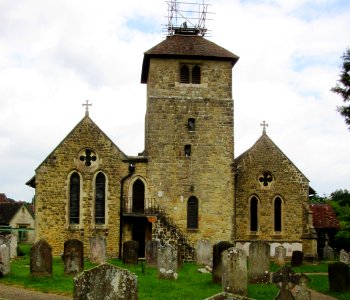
point(189, 132)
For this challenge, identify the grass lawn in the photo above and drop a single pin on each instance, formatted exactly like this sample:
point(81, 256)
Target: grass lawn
point(189, 285)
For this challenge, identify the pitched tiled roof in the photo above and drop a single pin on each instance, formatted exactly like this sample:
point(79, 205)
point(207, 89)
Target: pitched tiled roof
point(3, 198)
point(324, 216)
point(186, 46)
point(7, 211)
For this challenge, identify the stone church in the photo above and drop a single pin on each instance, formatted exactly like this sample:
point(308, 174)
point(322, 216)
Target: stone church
point(186, 185)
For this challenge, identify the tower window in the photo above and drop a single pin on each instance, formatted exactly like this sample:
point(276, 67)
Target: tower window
point(190, 74)
point(188, 150)
point(74, 198)
point(191, 124)
point(192, 213)
point(100, 191)
point(196, 75)
point(185, 74)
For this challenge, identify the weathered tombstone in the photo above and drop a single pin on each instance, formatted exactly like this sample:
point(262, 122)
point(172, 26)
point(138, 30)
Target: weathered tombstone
point(151, 252)
point(179, 256)
point(41, 259)
point(297, 258)
point(5, 265)
point(204, 253)
point(303, 293)
point(259, 262)
point(105, 282)
point(73, 257)
point(130, 252)
point(12, 240)
point(234, 271)
point(98, 252)
point(338, 277)
point(285, 279)
point(280, 256)
point(344, 257)
point(218, 248)
point(328, 253)
point(167, 261)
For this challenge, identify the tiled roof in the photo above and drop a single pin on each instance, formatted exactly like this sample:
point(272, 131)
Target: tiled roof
point(186, 46)
point(324, 216)
point(3, 198)
point(7, 211)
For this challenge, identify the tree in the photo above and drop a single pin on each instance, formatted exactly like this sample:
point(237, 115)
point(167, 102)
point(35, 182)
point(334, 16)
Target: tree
point(343, 87)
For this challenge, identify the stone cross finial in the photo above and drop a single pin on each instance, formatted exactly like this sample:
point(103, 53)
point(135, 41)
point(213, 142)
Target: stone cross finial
point(264, 124)
point(86, 104)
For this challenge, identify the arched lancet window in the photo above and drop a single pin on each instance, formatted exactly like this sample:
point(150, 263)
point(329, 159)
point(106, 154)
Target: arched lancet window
point(196, 75)
point(74, 198)
point(138, 197)
point(100, 198)
point(278, 214)
point(184, 74)
point(254, 214)
point(192, 213)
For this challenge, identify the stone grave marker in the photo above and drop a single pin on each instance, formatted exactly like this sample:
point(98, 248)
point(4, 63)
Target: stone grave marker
point(218, 248)
point(12, 240)
point(130, 252)
point(204, 253)
point(338, 277)
point(297, 258)
point(167, 261)
point(259, 262)
point(151, 252)
point(328, 253)
point(41, 259)
point(344, 257)
point(303, 293)
point(5, 265)
point(227, 296)
point(179, 256)
point(105, 282)
point(234, 271)
point(280, 255)
point(73, 257)
point(98, 251)
point(286, 279)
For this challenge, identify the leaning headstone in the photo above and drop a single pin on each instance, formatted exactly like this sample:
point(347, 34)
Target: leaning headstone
point(280, 256)
point(285, 279)
point(338, 277)
point(151, 252)
point(218, 248)
point(204, 253)
point(98, 251)
point(297, 258)
point(5, 265)
point(344, 257)
point(130, 252)
point(73, 257)
point(328, 253)
point(259, 262)
point(167, 261)
point(303, 293)
point(105, 282)
point(234, 271)
point(41, 259)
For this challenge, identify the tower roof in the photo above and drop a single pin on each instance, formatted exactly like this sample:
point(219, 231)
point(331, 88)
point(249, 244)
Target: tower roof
point(186, 46)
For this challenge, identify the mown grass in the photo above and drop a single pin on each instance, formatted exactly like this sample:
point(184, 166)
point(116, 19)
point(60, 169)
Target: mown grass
point(189, 285)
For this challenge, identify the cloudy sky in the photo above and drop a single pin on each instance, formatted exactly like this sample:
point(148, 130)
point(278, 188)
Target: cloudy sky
point(56, 54)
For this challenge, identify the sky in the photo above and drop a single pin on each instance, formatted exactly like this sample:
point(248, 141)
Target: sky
point(54, 55)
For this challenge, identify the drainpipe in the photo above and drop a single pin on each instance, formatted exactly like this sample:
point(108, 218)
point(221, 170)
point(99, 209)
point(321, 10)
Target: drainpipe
point(131, 171)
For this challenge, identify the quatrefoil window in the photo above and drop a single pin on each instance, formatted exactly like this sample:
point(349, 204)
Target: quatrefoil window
point(88, 156)
point(265, 178)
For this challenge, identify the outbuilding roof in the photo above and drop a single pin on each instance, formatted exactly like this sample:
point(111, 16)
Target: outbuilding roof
point(324, 216)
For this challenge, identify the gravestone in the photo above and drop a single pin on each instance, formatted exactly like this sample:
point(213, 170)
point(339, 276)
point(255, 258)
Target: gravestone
point(227, 296)
point(259, 262)
point(151, 252)
point(344, 257)
point(204, 253)
point(98, 252)
point(73, 257)
point(12, 240)
point(338, 277)
point(303, 293)
point(105, 282)
point(130, 252)
point(285, 279)
point(179, 256)
point(41, 259)
point(218, 248)
point(280, 256)
point(167, 261)
point(328, 253)
point(5, 265)
point(234, 271)
point(297, 258)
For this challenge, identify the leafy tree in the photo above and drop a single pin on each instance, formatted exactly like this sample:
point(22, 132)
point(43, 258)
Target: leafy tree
point(343, 87)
